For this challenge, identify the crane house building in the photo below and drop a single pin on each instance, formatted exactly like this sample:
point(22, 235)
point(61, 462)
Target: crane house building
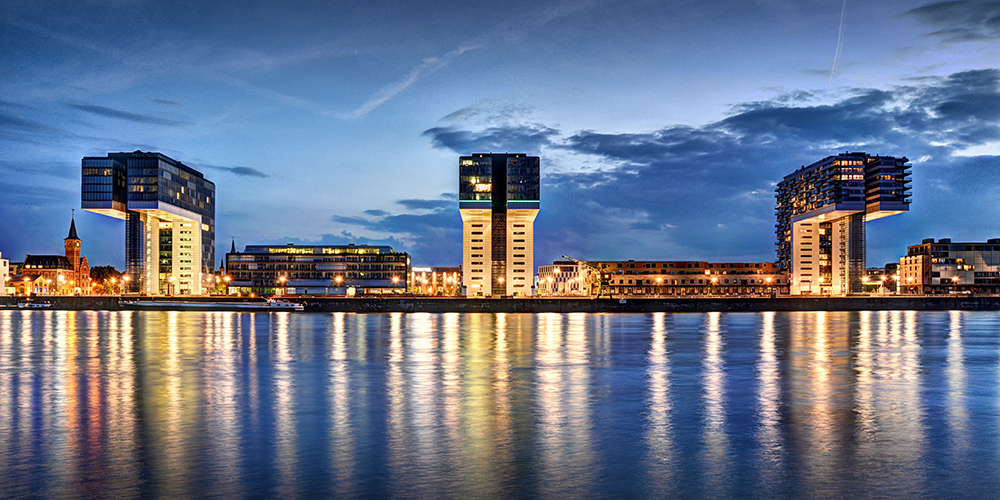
point(498, 200)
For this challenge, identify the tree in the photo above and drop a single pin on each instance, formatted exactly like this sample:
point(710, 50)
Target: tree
point(105, 279)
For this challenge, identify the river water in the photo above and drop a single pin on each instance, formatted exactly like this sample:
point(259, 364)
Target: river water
point(751, 405)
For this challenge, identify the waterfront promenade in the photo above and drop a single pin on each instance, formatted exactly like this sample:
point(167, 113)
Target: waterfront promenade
point(568, 305)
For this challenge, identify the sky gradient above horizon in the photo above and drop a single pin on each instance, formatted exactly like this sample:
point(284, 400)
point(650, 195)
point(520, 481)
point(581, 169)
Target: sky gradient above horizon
point(662, 127)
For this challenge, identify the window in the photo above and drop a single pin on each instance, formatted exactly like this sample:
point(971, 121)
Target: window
point(518, 248)
point(477, 232)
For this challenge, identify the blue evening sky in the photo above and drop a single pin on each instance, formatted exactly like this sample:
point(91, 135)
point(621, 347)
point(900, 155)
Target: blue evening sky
point(662, 126)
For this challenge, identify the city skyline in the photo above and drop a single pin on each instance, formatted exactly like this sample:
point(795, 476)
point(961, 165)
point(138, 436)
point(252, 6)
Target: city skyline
point(662, 129)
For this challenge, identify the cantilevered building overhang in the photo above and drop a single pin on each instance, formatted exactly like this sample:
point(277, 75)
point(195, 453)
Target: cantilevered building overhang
point(821, 213)
point(169, 213)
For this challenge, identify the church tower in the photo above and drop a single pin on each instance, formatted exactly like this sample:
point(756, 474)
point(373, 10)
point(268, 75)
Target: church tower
point(72, 244)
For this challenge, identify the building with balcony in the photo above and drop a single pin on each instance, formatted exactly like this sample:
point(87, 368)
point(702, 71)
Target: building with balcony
point(317, 270)
point(822, 210)
point(169, 213)
point(692, 278)
point(938, 267)
point(498, 200)
point(663, 278)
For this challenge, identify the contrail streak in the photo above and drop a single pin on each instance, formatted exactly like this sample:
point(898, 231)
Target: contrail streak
point(840, 42)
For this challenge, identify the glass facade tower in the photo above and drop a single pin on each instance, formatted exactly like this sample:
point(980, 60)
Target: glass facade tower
point(169, 214)
point(499, 200)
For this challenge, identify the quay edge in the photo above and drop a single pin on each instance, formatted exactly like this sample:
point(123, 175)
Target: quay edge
point(569, 305)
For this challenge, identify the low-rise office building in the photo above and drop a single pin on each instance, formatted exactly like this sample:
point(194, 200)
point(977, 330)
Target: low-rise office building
point(565, 277)
point(317, 270)
point(436, 280)
point(658, 278)
point(936, 267)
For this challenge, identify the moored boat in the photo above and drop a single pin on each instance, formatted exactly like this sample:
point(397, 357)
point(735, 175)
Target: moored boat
point(33, 305)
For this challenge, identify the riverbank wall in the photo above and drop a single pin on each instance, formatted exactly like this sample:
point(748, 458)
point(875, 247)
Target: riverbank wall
point(568, 305)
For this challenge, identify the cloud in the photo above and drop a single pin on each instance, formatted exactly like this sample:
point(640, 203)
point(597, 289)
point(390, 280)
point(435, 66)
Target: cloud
point(125, 115)
point(168, 103)
point(961, 20)
point(426, 204)
point(490, 111)
point(376, 213)
point(240, 171)
point(345, 238)
point(511, 138)
point(426, 67)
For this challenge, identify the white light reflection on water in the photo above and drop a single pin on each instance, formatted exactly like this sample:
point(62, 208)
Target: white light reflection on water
point(284, 395)
point(771, 453)
point(343, 456)
point(564, 427)
point(659, 435)
point(715, 457)
point(958, 413)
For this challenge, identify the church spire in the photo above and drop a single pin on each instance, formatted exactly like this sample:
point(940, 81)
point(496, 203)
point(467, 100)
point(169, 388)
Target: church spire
point(233, 249)
point(72, 227)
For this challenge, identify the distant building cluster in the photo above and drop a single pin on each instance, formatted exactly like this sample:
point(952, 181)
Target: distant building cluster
point(66, 274)
point(821, 210)
point(941, 266)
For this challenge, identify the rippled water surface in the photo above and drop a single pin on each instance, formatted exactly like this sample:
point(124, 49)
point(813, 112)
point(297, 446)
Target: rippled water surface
point(750, 405)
